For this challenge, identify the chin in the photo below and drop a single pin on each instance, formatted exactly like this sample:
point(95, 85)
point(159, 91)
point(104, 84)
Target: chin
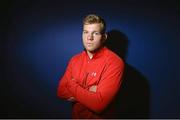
point(90, 50)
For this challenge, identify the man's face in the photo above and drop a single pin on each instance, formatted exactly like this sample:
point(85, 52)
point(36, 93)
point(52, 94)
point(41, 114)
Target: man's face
point(92, 37)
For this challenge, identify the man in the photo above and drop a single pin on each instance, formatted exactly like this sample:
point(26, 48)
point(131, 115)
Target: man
point(93, 77)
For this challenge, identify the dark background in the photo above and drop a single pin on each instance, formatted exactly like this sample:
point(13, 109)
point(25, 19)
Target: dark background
point(38, 37)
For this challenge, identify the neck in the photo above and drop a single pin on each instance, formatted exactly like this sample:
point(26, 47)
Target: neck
point(90, 54)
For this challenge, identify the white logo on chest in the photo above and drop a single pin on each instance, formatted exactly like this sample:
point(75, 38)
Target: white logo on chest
point(93, 74)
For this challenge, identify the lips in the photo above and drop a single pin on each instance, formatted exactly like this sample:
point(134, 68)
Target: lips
point(89, 44)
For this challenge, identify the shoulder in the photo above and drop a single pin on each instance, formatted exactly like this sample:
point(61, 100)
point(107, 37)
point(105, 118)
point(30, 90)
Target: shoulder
point(77, 57)
point(113, 58)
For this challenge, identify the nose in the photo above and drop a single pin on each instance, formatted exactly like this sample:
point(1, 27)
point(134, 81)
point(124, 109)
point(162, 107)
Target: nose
point(90, 37)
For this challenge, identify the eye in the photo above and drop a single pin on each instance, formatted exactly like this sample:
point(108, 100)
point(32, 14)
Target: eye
point(97, 33)
point(85, 32)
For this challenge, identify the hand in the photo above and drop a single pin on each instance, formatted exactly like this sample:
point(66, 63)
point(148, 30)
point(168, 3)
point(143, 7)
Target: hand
point(71, 99)
point(93, 88)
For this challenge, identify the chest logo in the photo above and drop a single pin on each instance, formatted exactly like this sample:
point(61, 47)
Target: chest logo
point(93, 74)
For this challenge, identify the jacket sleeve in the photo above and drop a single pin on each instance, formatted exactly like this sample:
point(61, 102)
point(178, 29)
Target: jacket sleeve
point(106, 89)
point(62, 90)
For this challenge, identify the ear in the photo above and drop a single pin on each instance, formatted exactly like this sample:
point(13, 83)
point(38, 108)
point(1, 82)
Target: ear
point(104, 37)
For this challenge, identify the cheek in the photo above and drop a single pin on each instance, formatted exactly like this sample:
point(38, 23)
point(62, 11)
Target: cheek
point(98, 42)
point(84, 37)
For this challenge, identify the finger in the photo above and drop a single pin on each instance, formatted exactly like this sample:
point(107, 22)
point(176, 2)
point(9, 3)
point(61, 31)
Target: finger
point(71, 99)
point(93, 88)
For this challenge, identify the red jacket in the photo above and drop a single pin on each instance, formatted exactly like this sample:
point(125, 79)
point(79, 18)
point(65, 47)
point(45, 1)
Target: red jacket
point(105, 70)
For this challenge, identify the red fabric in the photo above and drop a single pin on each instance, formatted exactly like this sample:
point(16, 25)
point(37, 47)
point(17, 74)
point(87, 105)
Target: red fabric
point(105, 70)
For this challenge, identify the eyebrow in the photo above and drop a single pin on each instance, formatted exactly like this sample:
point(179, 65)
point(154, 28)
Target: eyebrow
point(92, 31)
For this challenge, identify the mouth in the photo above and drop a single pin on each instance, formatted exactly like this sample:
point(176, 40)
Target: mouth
point(89, 44)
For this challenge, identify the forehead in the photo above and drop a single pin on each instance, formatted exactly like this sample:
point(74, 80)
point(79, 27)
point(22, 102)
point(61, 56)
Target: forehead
point(92, 27)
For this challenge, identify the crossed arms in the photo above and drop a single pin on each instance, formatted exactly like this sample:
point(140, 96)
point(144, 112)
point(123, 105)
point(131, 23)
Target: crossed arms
point(97, 97)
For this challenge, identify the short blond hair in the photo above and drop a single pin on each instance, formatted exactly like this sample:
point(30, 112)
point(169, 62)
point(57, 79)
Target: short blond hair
point(92, 19)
